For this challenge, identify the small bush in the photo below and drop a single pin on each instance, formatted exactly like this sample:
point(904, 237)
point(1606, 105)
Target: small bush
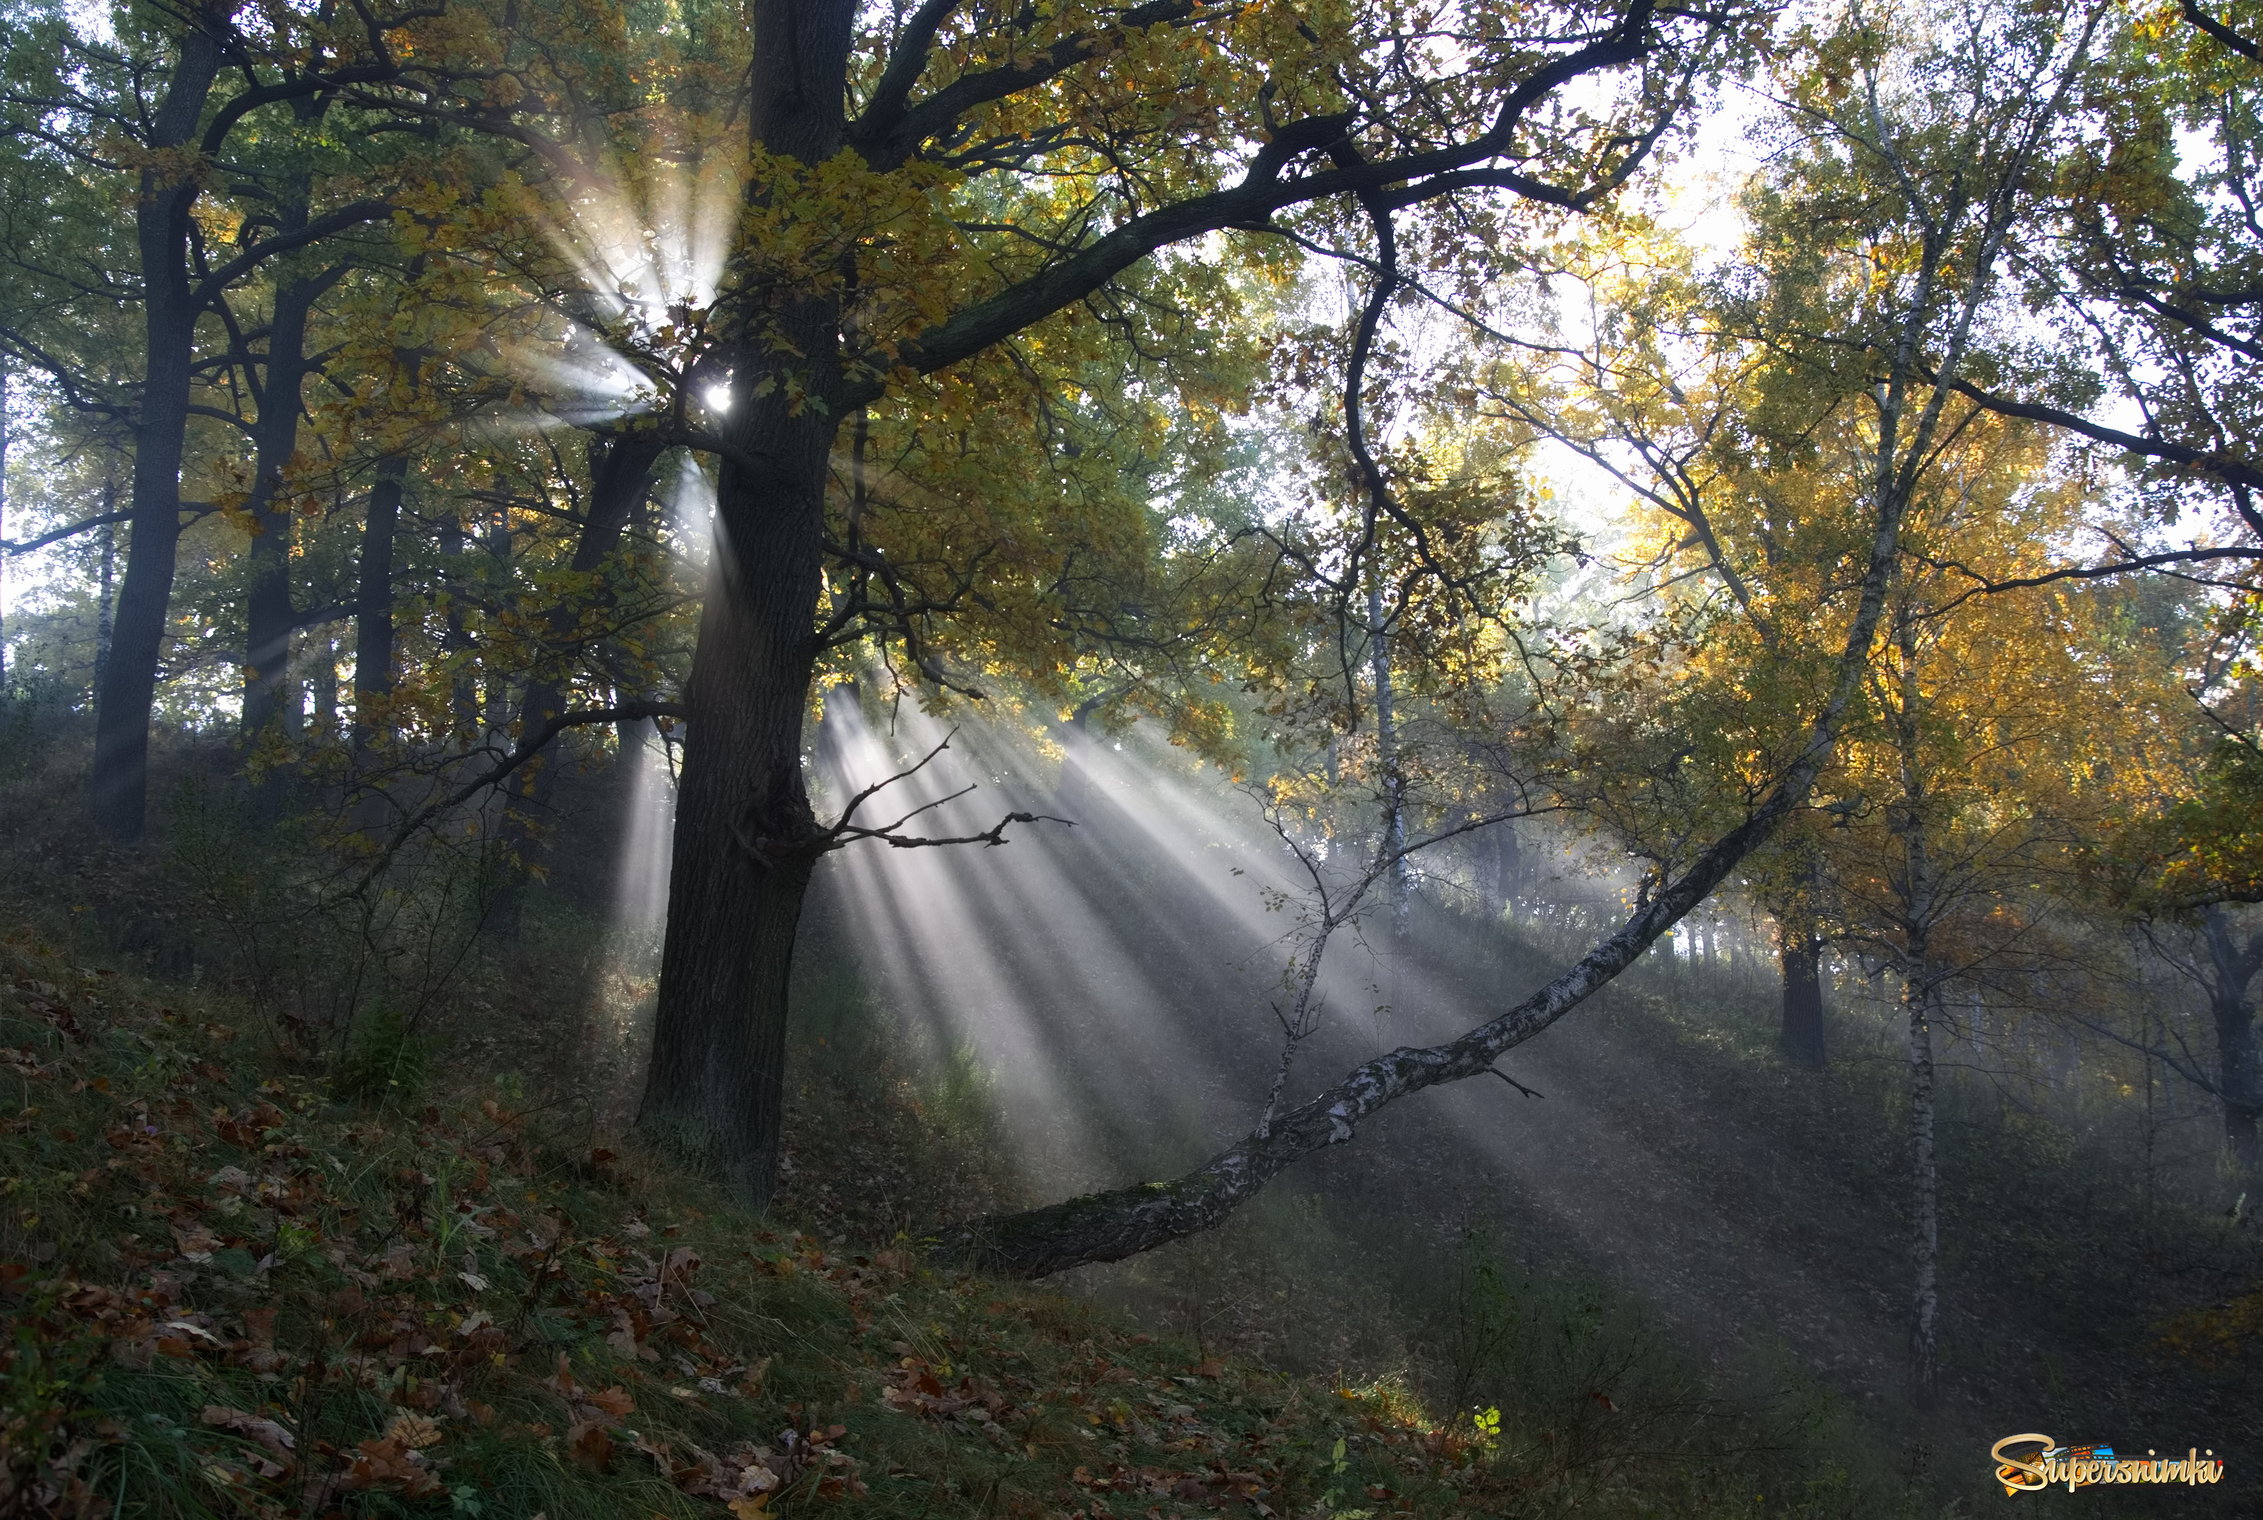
point(384, 1063)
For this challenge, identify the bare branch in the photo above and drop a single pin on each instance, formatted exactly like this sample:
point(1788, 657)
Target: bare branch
point(843, 832)
point(525, 750)
point(1513, 1082)
point(56, 535)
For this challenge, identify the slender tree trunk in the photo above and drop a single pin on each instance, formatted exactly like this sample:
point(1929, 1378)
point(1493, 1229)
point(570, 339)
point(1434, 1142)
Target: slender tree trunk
point(270, 618)
point(1502, 859)
point(495, 692)
point(373, 597)
point(2239, 1076)
point(3, 528)
point(106, 587)
point(1920, 1001)
point(373, 633)
point(321, 660)
point(463, 696)
point(1387, 751)
point(716, 1085)
point(621, 469)
point(118, 789)
point(1919, 994)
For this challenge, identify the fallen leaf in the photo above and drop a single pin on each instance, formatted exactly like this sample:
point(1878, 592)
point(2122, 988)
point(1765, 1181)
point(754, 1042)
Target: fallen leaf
point(413, 1430)
point(269, 1435)
point(615, 1401)
point(385, 1462)
point(588, 1444)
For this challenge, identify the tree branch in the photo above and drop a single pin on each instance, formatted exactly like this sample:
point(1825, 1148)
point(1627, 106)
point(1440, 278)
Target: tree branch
point(889, 132)
point(522, 752)
point(1114, 1225)
point(1253, 201)
point(58, 534)
point(2223, 467)
point(2222, 33)
point(1987, 587)
point(210, 288)
point(844, 830)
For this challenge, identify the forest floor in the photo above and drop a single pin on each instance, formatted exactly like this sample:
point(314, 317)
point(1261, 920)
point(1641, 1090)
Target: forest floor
point(240, 1284)
point(243, 1279)
point(1753, 1218)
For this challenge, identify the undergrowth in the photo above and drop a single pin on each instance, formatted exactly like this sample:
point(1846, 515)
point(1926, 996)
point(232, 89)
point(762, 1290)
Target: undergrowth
point(236, 1285)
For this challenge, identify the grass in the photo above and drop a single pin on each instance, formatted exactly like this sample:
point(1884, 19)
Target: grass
point(434, 1279)
point(236, 1284)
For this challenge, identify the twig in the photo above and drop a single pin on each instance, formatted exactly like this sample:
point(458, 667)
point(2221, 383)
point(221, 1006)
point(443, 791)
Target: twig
point(520, 754)
point(1513, 1082)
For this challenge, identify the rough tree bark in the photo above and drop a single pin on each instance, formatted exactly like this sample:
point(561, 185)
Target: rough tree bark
point(1921, 993)
point(1799, 953)
point(744, 827)
point(117, 793)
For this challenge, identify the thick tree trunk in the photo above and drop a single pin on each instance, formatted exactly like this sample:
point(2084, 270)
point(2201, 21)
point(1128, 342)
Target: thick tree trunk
point(715, 1089)
point(2239, 1074)
point(269, 616)
point(106, 587)
point(1800, 954)
point(118, 789)
point(716, 1086)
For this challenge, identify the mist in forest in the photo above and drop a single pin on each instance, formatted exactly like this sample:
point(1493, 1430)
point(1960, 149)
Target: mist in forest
point(1067, 761)
point(1109, 980)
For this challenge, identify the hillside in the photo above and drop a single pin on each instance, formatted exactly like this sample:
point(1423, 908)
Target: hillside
point(419, 1270)
point(237, 1286)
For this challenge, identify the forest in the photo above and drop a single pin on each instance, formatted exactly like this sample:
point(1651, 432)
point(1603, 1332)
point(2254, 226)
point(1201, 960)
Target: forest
point(1200, 757)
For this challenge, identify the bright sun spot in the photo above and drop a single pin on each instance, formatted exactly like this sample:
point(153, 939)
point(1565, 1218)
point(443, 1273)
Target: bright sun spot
point(647, 247)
